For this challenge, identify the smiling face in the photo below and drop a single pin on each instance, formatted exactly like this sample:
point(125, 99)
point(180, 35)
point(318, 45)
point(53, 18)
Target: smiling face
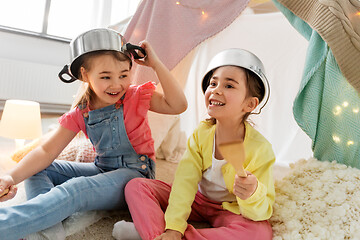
point(226, 97)
point(108, 77)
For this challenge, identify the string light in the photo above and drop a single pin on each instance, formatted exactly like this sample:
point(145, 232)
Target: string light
point(349, 143)
point(337, 110)
point(203, 13)
point(336, 138)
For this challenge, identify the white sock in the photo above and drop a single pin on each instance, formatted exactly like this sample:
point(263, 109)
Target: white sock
point(125, 231)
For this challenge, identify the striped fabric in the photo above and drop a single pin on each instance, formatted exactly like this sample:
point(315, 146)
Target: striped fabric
point(327, 106)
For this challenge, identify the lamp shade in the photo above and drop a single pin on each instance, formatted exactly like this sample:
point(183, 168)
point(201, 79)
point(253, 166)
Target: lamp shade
point(21, 120)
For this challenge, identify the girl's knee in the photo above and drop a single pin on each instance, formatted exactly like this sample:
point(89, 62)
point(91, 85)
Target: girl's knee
point(135, 183)
point(138, 185)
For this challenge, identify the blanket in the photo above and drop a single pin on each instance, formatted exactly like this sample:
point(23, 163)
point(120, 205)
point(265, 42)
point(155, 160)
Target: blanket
point(327, 105)
point(338, 24)
point(174, 28)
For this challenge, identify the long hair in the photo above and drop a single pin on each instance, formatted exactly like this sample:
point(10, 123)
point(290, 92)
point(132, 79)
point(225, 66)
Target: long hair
point(254, 86)
point(85, 94)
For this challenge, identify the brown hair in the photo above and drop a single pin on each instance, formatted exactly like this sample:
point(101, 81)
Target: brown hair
point(255, 88)
point(85, 93)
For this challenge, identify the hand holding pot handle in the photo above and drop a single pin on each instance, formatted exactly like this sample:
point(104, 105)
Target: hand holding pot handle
point(132, 50)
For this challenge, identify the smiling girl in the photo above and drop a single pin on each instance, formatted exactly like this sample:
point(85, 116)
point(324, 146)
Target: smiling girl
point(113, 115)
point(206, 188)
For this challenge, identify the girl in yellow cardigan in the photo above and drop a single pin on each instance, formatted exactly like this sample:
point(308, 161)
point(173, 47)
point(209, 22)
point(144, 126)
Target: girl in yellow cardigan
point(206, 187)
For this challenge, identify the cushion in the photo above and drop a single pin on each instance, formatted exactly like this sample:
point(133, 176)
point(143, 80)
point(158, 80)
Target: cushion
point(79, 149)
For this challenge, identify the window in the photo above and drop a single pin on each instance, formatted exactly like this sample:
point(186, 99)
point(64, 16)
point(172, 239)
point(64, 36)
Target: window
point(16, 14)
point(63, 19)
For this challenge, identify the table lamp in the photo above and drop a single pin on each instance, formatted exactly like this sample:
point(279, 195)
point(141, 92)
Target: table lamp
point(21, 120)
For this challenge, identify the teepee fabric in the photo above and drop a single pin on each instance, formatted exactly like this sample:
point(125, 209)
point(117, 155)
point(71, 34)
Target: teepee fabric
point(174, 28)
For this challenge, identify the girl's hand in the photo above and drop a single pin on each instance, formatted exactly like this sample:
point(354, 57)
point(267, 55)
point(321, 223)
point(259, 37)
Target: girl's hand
point(244, 187)
point(7, 183)
point(169, 235)
point(151, 59)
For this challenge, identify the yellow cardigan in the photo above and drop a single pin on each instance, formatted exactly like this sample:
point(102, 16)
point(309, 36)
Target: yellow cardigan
point(198, 157)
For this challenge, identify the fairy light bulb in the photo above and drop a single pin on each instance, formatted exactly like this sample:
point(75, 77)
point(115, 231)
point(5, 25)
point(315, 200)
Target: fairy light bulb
point(355, 110)
point(349, 143)
point(203, 13)
point(336, 138)
point(345, 104)
point(337, 110)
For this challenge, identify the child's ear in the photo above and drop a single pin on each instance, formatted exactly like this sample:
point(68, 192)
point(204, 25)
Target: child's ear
point(251, 104)
point(83, 74)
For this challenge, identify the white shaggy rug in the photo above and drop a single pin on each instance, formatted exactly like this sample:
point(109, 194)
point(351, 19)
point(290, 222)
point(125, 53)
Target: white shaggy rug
point(317, 200)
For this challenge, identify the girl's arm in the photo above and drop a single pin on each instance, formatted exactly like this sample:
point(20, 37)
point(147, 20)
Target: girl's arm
point(173, 100)
point(169, 235)
point(258, 206)
point(38, 159)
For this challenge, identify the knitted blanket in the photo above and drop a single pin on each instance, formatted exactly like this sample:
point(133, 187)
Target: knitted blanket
point(338, 23)
point(174, 28)
point(327, 106)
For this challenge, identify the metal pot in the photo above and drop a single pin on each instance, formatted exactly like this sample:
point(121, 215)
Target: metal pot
point(241, 58)
point(96, 40)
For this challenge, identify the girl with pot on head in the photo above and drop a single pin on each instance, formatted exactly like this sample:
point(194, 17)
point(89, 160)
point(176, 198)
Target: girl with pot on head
point(206, 187)
point(113, 115)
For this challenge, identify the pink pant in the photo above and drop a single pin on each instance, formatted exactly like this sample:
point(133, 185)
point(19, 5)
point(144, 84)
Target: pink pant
point(148, 199)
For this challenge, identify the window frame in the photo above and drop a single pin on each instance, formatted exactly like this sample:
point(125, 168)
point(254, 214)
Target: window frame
point(44, 32)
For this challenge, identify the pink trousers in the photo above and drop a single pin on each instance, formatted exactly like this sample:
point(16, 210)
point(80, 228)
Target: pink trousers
point(148, 199)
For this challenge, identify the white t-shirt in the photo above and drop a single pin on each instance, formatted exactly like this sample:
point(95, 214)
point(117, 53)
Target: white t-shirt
point(212, 184)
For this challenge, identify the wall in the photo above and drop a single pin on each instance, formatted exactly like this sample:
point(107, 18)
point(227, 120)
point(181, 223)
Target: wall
point(28, 70)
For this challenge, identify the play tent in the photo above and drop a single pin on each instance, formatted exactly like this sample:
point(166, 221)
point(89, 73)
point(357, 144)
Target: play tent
point(269, 35)
point(311, 58)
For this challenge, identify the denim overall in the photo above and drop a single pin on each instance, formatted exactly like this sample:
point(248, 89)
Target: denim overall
point(68, 187)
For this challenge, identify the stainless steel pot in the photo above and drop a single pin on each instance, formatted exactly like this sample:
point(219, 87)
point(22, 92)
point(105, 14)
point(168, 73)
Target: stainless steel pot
point(241, 58)
point(96, 40)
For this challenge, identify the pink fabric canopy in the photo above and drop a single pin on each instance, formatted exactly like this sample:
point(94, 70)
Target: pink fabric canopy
point(174, 28)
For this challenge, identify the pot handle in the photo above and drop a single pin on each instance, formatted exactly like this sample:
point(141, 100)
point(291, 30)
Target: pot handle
point(68, 77)
point(132, 50)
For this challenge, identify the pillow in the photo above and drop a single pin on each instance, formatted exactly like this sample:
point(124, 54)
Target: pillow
point(79, 149)
point(19, 154)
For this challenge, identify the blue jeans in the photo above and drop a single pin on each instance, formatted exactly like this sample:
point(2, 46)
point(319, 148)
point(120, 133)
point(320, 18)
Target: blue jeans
point(78, 187)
